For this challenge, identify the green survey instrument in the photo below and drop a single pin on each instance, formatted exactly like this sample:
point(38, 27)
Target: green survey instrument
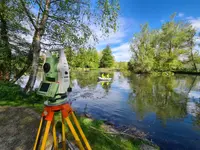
point(56, 80)
point(56, 86)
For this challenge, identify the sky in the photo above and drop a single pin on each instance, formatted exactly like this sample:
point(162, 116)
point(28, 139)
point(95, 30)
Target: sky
point(133, 13)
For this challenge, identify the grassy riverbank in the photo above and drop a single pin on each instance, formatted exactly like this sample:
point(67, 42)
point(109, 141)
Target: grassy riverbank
point(100, 136)
point(97, 69)
point(155, 73)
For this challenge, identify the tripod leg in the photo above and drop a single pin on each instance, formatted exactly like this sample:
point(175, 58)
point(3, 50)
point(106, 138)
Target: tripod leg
point(45, 135)
point(38, 134)
point(63, 134)
point(74, 133)
point(81, 131)
point(54, 135)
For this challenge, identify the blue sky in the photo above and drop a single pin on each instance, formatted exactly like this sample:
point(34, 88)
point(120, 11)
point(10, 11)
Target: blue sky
point(133, 13)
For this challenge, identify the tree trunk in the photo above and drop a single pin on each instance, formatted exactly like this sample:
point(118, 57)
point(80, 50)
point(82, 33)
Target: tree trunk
point(4, 37)
point(34, 66)
point(191, 86)
point(170, 47)
point(192, 56)
point(194, 64)
point(39, 31)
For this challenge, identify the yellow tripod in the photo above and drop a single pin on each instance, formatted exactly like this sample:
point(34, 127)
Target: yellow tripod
point(48, 115)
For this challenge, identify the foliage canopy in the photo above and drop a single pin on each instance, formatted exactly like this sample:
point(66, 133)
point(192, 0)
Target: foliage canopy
point(107, 59)
point(165, 49)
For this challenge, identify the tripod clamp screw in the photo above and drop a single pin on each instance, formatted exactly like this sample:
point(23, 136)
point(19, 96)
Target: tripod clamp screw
point(45, 113)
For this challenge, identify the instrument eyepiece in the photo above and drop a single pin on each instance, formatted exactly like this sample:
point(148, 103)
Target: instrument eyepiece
point(46, 67)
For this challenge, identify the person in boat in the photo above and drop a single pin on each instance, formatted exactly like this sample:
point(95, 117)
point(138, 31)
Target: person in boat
point(108, 76)
point(103, 76)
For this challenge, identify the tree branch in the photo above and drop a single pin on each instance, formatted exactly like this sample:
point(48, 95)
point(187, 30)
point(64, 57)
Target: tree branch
point(28, 14)
point(54, 1)
point(40, 9)
point(40, 5)
point(44, 16)
point(48, 44)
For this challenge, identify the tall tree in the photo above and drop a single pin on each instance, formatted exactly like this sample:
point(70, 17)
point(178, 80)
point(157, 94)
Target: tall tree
point(65, 22)
point(191, 43)
point(13, 48)
point(85, 58)
point(121, 65)
point(143, 48)
point(5, 56)
point(107, 59)
point(164, 49)
point(71, 57)
point(172, 45)
point(93, 58)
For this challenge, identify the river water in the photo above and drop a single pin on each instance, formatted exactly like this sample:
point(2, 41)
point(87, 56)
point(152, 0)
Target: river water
point(167, 108)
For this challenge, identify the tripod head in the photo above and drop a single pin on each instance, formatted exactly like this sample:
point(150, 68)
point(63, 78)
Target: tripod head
point(56, 81)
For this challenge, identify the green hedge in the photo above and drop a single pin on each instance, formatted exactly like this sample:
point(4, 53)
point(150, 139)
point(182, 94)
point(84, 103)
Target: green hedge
point(12, 94)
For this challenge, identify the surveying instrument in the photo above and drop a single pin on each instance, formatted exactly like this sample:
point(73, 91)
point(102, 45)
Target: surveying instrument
point(55, 86)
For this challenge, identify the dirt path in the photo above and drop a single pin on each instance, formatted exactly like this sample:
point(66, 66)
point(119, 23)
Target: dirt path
point(18, 127)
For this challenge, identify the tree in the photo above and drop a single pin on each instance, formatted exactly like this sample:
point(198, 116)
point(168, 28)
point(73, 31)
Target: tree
point(107, 59)
point(163, 49)
point(92, 58)
point(65, 22)
point(172, 44)
point(193, 57)
point(121, 65)
point(83, 58)
point(143, 47)
point(13, 48)
point(71, 57)
point(5, 49)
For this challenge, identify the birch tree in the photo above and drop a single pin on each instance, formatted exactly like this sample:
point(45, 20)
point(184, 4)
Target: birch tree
point(66, 22)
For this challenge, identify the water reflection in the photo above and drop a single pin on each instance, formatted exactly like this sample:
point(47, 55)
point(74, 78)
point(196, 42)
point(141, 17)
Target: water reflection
point(172, 102)
point(157, 94)
point(89, 79)
point(197, 115)
point(168, 108)
point(85, 79)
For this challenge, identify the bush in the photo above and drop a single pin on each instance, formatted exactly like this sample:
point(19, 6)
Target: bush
point(12, 94)
point(9, 91)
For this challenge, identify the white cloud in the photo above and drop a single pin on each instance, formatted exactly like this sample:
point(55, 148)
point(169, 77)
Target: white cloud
point(122, 52)
point(180, 14)
point(196, 48)
point(114, 37)
point(189, 18)
point(195, 22)
point(27, 37)
point(197, 42)
point(197, 39)
point(162, 21)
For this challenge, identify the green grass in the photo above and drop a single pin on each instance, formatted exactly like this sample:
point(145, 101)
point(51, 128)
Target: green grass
point(12, 95)
point(98, 69)
point(98, 137)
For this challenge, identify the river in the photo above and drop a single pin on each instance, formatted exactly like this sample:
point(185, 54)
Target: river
point(167, 108)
